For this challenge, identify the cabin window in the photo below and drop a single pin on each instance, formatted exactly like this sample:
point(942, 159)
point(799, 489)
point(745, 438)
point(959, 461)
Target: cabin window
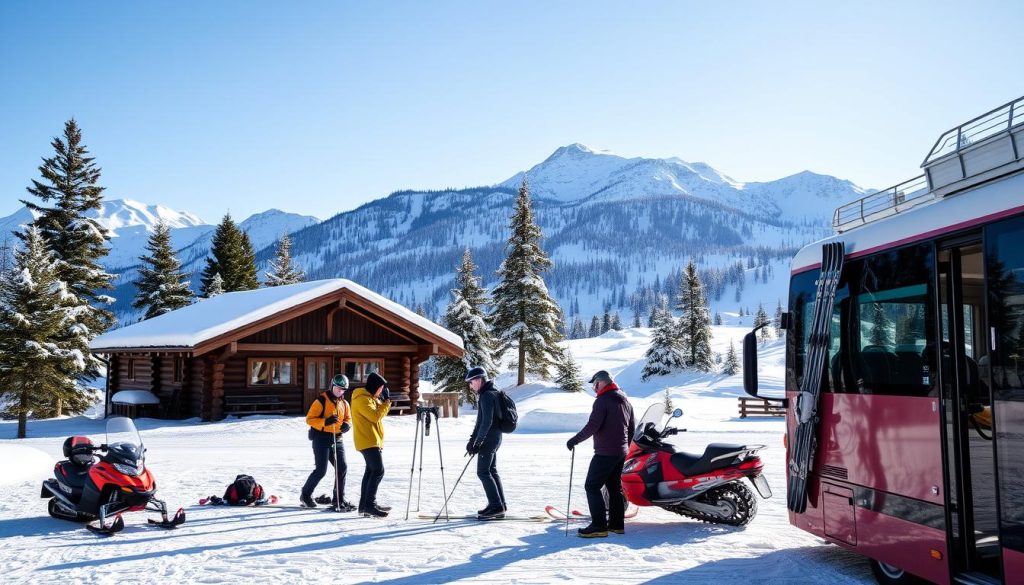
point(358, 370)
point(130, 374)
point(271, 371)
point(179, 369)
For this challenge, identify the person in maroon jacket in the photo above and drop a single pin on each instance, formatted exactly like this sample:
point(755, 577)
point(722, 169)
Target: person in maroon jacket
point(611, 424)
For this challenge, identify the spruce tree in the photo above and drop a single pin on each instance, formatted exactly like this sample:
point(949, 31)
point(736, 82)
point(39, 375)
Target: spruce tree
point(718, 318)
point(525, 316)
point(606, 321)
point(761, 318)
point(567, 373)
point(777, 321)
point(233, 256)
point(42, 344)
point(216, 286)
point(466, 317)
point(69, 183)
point(579, 331)
point(162, 285)
point(694, 324)
point(281, 269)
point(616, 322)
point(636, 321)
point(595, 327)
point(732, 362)
point(665, 354)
point(667, 401)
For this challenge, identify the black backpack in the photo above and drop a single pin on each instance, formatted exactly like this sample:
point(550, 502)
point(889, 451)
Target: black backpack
point(506, 412)
point(243, 491)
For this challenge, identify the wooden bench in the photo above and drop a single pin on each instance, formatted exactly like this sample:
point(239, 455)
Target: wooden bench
point(254, 404)
point(760, 406)
point(447, 402)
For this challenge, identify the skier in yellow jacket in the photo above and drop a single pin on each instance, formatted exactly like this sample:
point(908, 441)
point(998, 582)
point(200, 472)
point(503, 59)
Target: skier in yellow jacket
point(369, 407)
point(328, 418)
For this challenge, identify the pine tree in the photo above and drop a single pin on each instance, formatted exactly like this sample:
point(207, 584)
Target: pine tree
point(732, 362)
point(579, 331)
point(718, 318)
point(694, 324)
point(616, 322)
point(162, 285)
point(777, 321)
point(233, 257)
point(665, 354)
point(606, 321)
point(525, 316)
point(636, 321)
point(466, 317)
point(69, 180)
point(281, 270)
point(667, 400)
point(761, 318)
point(567, 373)
point(43, 347)
point(595, 327)
point(216, 286)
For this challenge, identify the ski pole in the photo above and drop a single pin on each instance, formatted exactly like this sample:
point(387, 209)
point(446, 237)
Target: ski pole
point(412, 466)
point(445, 506)
point(568, 503)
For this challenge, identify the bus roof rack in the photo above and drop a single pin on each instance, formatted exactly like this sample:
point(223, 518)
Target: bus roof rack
point(979, 150)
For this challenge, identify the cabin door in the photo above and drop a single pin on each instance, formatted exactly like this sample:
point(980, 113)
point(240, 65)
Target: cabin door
point(318, 376)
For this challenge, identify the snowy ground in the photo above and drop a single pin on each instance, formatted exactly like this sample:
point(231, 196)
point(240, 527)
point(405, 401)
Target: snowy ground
point(221, 545)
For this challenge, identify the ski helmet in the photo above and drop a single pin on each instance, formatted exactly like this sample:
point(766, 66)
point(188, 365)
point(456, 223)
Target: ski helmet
point(78, 450)
point(340, 380)
point(476, 372)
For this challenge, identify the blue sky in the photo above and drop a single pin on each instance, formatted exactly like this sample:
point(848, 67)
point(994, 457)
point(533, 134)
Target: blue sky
point(318, 107)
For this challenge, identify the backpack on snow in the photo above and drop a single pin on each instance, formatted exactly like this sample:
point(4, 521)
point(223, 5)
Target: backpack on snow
point(506, 412)
point(243, 491)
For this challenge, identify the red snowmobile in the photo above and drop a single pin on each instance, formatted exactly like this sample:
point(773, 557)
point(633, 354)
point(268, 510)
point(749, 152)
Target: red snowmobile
point(83, 490)
point(707, 487)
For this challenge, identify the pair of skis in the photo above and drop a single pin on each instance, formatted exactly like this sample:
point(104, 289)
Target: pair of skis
point(804, 445)
point(557, 514)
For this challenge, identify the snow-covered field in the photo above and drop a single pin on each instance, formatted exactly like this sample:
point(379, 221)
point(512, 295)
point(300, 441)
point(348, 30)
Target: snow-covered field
point(290, 545)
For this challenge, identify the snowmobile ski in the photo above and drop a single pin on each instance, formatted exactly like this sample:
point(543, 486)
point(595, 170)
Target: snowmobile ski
point(803, 447)
point(177, 520)
point(116, 526)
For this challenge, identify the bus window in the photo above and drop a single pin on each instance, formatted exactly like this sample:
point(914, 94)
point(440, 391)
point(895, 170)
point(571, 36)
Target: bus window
point(893, 323)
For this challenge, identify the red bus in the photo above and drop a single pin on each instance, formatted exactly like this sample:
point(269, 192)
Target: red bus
point(905, 367)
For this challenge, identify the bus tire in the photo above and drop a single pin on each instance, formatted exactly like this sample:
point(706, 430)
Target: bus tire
point(890, 575)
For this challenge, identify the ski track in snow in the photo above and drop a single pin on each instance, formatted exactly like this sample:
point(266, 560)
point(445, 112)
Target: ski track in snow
point(291, 545)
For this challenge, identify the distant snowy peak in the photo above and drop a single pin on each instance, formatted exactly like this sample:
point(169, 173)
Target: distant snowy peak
point(116, 214)
point(267, 227)
point(576, 172)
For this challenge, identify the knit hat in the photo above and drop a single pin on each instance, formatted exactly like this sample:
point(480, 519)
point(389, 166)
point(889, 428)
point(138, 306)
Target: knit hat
point(374, 381)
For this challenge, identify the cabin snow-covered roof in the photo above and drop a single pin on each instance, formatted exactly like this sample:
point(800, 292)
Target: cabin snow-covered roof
point(207, 319)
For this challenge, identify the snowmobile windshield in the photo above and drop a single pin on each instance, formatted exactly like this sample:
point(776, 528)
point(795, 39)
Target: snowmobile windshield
point(121, 431)
point(655, 417)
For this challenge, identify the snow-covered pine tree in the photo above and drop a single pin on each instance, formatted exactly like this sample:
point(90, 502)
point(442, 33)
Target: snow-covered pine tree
point(718, 318)
point(43, 347)
point(777, 320)
point(761, 318)
point(567, 372)
point(162, 285)
point(69, 183)
point(694, 323)
point(636, 321)
point(665, 354)
point(525, 316)
point(233, 257)
point(281, 269)
point(595, 327)
point(466, 317)
point(616, 322)
point(216, 286)
point(578, 331)
point(732, 362)
point(667, 400)
point(606, 321)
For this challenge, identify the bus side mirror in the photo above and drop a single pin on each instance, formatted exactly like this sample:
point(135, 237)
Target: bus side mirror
point(784, 321)
point(750, 363)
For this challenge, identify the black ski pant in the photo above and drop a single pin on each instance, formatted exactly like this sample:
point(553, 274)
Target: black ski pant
point(606, 472)
point(323, 452)
point(487, 471)
point(371, 477)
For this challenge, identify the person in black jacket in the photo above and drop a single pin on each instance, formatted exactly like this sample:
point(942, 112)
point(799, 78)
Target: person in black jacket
point(484, 443)
point(611, 424)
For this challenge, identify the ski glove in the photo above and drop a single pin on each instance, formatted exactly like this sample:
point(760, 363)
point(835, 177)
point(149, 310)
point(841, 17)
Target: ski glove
point(331, 420)
point(346, 427)
point(385, 394)
point(570, 444)
point(472, 447)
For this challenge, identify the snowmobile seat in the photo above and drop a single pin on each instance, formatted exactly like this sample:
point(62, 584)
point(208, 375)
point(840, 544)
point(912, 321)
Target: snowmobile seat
point(690, 464)
point(73, 476)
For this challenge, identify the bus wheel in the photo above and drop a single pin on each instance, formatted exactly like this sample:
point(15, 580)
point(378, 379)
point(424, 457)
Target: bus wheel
point(890, 575)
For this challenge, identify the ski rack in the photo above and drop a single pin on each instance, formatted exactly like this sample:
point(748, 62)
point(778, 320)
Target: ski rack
point(801, 460)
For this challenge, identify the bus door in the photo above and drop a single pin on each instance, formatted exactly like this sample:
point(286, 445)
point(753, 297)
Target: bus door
point(968, 410)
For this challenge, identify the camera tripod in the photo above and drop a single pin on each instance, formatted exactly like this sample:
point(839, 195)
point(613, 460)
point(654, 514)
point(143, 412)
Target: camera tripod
point(423, 414)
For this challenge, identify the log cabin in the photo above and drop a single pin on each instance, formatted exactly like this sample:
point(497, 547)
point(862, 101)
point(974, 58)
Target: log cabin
point(269, 351)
